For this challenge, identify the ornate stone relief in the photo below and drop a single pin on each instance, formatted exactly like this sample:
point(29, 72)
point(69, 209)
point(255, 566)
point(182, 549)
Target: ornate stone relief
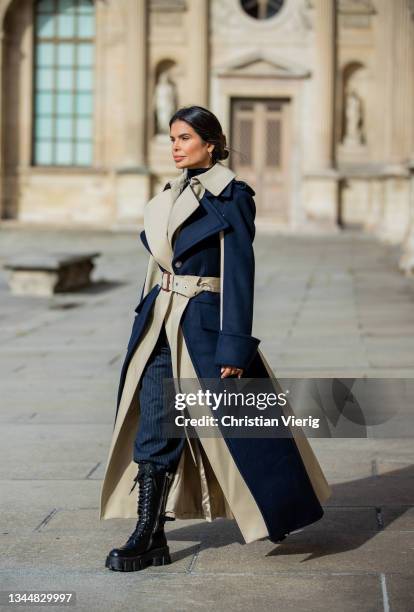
point(290, 24)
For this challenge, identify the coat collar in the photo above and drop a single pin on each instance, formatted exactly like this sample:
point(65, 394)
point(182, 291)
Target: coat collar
point(214, 180)
point(168, 210)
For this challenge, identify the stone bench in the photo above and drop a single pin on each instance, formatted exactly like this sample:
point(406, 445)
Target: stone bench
point(46, 274)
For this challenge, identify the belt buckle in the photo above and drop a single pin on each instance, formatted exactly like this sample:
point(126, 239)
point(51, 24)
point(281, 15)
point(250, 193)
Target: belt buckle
point(204, 284)
point(168, 276)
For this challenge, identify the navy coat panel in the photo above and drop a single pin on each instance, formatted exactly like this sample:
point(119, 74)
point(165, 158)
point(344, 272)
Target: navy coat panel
point(272, 467)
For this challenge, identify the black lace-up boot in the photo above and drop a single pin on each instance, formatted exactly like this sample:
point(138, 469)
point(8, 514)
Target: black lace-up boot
point(147, 545)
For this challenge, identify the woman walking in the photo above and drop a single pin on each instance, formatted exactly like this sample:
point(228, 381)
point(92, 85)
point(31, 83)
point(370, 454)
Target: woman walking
point(194, 321)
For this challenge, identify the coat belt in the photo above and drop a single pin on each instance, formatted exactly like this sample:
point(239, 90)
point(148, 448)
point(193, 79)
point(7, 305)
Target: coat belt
point(189, 285)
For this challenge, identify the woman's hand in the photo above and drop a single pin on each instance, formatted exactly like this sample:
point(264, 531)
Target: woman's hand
point(231, 371)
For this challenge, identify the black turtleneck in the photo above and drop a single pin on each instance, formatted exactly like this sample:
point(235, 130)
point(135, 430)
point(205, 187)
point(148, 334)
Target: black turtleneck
point(193, 171)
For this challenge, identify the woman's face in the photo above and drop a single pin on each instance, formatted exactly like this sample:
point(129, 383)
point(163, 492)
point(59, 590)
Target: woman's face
point(188, 149)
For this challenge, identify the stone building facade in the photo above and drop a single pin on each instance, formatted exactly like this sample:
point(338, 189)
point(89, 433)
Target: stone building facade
point(316, 98)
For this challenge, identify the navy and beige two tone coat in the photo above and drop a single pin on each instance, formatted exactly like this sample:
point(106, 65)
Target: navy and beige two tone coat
point(270, 486)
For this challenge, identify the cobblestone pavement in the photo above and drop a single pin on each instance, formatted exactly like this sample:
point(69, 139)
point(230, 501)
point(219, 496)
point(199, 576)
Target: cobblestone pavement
point(324, 306)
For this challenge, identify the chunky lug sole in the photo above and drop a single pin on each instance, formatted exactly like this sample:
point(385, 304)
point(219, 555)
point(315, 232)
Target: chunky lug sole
point(157, 556)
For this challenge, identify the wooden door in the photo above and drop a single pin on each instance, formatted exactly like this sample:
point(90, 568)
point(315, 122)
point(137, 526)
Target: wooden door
point(260, 143)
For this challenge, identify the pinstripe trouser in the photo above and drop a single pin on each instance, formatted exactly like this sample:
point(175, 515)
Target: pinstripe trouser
point(150, 443)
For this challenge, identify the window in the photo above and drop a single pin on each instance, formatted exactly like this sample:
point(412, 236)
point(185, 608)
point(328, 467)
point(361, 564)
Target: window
point(261, 9)
point(63, 82)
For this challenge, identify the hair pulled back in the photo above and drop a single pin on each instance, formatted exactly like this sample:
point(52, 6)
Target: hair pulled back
point(207, 126)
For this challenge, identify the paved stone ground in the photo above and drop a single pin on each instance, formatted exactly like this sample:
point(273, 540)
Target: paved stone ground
point(326, 305)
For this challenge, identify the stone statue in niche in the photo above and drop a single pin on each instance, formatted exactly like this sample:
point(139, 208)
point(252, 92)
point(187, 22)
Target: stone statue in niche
point(353, 135)
point(165, 100)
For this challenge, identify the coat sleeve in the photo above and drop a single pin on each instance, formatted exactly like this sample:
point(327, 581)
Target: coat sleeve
point(236, 346)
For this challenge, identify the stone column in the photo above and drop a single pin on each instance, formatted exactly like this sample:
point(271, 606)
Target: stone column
point(3, 212)
point(321, 181)
point(406, 261)
point(135, 83)
point(324, 83)
point(406, 13)
point(402, 81)
point(198, 28)
point(4, 4)
point(132, 178)
point(384, 67)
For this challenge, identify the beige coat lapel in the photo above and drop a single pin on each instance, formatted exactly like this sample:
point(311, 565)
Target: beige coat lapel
point(184, 206)
point(167, 211)
point(156, 213)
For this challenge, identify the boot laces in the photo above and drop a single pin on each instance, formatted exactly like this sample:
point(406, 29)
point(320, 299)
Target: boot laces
point(145, 509)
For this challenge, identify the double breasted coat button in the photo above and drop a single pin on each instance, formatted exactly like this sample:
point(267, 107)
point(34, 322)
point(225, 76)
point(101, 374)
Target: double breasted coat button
point(178, 263)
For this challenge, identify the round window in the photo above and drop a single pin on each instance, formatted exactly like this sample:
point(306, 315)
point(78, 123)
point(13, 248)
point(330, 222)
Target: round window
point(261, 9)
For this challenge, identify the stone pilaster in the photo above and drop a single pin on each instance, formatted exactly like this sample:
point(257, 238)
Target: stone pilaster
point(135, 82)
point(402, 81)
point(198, 28)
point(406, 262)
point(324, 83)
point(3, 212)
point(321, 183)
point(132, 179)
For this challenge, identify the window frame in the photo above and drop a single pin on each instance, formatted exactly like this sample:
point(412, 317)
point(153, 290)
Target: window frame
point(76, 40)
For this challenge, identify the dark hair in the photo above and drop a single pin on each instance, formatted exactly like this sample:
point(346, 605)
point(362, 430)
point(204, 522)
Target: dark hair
point(207, 126)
